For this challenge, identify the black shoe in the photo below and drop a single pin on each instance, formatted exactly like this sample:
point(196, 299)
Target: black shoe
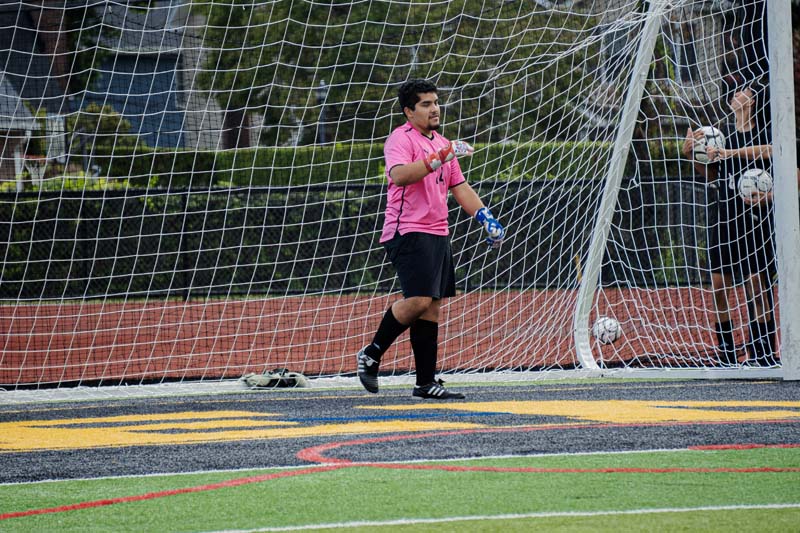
point(728, 355)
point(368, 372)
point(763, 361)
point(435, 391)
point(760, 353)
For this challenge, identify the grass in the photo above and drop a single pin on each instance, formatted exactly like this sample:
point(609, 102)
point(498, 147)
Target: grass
point(404, 499)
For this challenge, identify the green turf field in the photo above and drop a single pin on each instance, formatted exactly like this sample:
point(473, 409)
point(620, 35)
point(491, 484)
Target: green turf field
point(723, 490)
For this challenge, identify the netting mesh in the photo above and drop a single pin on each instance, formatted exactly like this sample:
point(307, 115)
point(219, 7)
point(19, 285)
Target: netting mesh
point(194, 190)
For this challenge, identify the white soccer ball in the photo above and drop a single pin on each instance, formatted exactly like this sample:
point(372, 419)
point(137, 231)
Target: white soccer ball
point(754, 181)
point(606, 330)
point(711, 137)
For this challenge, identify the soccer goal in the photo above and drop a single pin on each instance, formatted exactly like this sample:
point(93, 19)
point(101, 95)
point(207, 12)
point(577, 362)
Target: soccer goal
point(216, 186)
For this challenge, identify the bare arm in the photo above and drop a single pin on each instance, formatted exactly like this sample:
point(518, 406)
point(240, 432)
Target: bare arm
point(467, 198)
point(415, 171)
point(409, 173)
point(751, 153)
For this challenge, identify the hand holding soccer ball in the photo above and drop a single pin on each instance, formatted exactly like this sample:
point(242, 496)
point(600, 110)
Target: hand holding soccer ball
point(754, 185)
point(442, 156)
point(705, 145)
point(492, 226)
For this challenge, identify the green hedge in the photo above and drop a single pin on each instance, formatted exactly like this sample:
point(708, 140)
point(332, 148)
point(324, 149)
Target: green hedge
point(125, 244)
point(342, 162)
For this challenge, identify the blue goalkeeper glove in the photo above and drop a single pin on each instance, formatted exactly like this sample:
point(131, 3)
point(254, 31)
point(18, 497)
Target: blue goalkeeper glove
point(492, 227)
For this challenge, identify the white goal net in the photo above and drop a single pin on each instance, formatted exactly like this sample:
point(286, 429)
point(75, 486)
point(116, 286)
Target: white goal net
point(210, 185)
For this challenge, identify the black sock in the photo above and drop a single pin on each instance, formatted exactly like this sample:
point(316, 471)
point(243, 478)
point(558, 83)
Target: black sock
point(424, 342)
point(724, 331)
point(762, 339)
point(769, 337)
point(387, 332)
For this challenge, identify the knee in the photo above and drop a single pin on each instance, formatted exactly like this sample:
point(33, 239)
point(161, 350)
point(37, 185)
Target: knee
point(419, 304)
point(410, 309)
point(432, 312)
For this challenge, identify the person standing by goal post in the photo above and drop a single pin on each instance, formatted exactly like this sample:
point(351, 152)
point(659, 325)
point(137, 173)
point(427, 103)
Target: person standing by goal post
point(741, 245)
point(421, 167)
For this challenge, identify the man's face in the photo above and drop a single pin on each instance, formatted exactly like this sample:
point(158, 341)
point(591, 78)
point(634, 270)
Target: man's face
point(425, 115)
point(741, 100)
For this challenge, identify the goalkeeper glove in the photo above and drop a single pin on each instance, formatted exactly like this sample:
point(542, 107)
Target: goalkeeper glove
point(492, 226)
point(440, 157)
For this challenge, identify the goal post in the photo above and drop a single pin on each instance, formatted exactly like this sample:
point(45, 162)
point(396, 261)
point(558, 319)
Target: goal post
point(614, 174)
point(215, 187)
point(787, 222)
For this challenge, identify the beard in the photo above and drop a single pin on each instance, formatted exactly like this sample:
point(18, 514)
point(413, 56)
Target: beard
point(434, 127)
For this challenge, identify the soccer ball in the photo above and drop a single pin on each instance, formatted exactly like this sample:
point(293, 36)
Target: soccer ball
point(753, 181)
point(606, 330)
point(711, 137)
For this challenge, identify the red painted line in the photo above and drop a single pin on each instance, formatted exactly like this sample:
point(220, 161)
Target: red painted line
point(741, 446)
point(174, 492)
point(527, 470)
point(316, 454)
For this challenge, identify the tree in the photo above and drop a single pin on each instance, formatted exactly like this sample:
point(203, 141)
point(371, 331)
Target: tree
point(504, 68)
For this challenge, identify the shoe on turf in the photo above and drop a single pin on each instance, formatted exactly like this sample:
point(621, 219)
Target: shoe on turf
point(763, 361)
point(435, 391)
point(759, 353)
point(368, 372)
point(728, 355)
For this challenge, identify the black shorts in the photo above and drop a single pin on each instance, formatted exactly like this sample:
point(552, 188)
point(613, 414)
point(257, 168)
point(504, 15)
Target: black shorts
point(742, 246)
point(424, 264)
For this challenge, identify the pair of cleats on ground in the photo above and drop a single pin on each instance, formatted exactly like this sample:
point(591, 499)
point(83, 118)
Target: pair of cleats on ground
point(368, 375)
point(729, 356)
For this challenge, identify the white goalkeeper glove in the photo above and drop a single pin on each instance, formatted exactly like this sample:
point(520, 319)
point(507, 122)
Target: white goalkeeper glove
point(492, 226)
point(440, 157)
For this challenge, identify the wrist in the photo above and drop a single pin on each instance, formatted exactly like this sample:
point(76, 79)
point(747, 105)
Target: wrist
point(432, 162)
point(483, 214)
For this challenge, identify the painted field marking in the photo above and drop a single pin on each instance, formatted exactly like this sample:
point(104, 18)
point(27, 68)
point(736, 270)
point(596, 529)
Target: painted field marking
point(191, 427)
point(624, 411)
point(163, 494)
point(343, 463)
point(445, 460)
point(566, 514)
point(314, 454)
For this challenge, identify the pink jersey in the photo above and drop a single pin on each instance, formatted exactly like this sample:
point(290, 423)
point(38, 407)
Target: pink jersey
point(421, 206)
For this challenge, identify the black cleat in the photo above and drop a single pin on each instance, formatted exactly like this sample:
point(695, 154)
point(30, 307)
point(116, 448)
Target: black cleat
point(762, 361)
point(759, 353)
point(728, 355)
point(435, 391)
point(368, 372)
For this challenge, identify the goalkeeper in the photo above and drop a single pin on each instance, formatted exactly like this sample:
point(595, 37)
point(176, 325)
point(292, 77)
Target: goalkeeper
point(422, 167)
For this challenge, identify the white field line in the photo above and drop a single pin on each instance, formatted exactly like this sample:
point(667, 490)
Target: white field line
point(420, 521)
point(256, 469)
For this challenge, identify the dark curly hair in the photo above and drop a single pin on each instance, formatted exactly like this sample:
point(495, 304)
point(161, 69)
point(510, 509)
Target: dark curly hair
point(408, 93)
